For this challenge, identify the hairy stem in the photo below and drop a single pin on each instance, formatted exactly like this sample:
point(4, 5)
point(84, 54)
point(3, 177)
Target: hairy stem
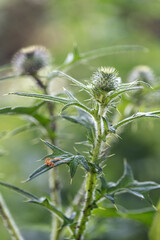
point(8, 221)
point(54, 185)
point(90, 182)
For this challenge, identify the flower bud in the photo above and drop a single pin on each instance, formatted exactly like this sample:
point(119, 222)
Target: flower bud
point(29, 60)
point(106, 78)
point(142, 73)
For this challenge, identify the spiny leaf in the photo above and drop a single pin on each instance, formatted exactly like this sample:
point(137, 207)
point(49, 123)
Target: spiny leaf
point(73, 167)
point(42, 169)
point(83, 162)
point(76, 82)
point(127, 184)
point(57, 151)
point(115, 94)
point(137, 116)
point(43, 97)
point(57, 158)
point(68, 102)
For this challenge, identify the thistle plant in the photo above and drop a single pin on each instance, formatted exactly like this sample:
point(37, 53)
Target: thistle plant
point(97, 116)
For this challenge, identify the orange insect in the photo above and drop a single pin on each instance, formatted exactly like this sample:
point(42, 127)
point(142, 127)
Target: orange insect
point(50, 163)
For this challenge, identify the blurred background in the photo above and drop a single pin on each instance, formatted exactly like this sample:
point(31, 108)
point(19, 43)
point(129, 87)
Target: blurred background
point(59, 25)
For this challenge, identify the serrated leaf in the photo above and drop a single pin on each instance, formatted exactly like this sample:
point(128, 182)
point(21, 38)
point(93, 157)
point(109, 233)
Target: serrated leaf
point(59, 157)
point(127, 184)
point(125, 180)
point(137, 116)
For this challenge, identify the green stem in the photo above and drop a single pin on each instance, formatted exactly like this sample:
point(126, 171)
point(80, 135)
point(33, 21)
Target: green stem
point(90, 181)
point(54, 185)
point(8, 221)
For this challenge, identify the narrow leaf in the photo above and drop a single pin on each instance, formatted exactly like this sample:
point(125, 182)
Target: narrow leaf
point(45, 203)
point(18, 190)
point(137, 116)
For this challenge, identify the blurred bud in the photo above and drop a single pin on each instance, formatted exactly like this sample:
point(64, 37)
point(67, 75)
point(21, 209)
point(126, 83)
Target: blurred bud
point(106, 78)
point(31, 59)
point(142, 73)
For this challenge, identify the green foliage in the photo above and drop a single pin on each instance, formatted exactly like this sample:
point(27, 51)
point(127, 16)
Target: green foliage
point(127, 183)
point(59, 157)
point(98, 116)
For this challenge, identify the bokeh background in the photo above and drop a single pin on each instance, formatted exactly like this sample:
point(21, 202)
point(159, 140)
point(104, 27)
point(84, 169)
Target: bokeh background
point(59, 25)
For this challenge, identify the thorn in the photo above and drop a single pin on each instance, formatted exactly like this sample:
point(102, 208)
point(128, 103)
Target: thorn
point(154, 207)
point(116, 207)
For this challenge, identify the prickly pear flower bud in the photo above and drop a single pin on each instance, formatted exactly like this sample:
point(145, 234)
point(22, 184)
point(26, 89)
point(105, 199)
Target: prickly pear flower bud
point(29, 60)
point(143, 73)
point(106, 78)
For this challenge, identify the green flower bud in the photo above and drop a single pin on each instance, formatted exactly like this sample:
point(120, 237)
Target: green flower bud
point(31, 59)
point(142, 73)
point(106, 78)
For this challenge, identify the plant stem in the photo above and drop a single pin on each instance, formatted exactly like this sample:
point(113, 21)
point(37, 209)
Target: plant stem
point(90, 181)
point(8, 221)
point(54, 185)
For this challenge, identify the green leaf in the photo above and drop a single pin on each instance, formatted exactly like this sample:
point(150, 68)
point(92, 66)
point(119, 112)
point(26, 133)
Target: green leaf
point(73, 167)
point(49, 206)
point(76, 82)
point(42, 202)
point(127, 184)
point(21, 110)
point(18, 190)
point(56, 151)
point(145, 216)
point(137, 116)
point(43, 97)
point(83, 119)
point(68, 102)
point(30, 111)
point(114, 94)
point(59, 157)
point(77, 57)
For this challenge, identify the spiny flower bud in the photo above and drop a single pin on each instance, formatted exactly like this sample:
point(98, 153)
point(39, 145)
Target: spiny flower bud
point(143, 73)
point(31, 59)
point(106, 78)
